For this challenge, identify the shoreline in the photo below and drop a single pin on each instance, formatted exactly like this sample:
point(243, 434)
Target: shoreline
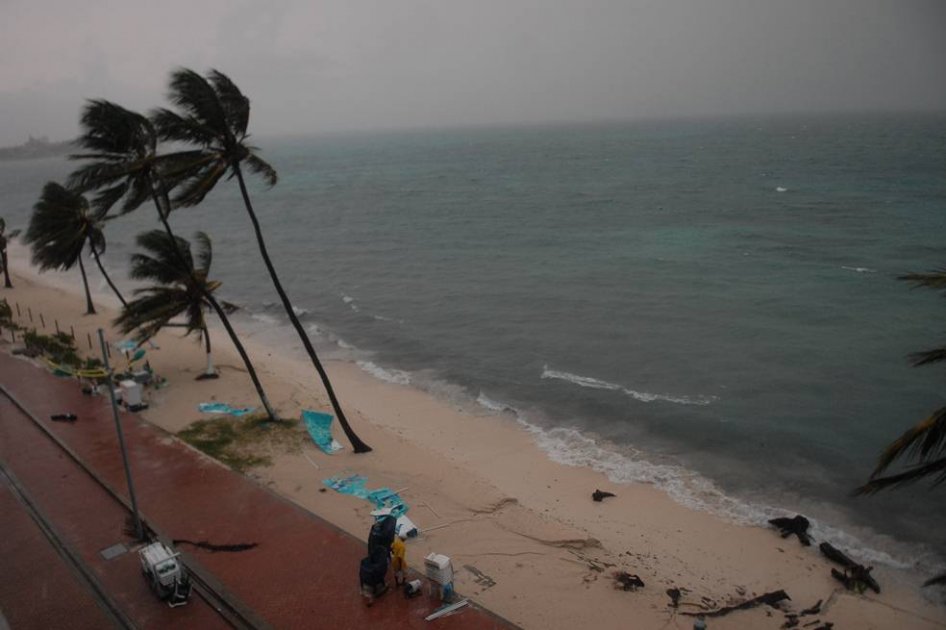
point(500, 504)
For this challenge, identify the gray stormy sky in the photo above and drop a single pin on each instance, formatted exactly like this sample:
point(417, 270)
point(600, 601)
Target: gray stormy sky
point(318, 65)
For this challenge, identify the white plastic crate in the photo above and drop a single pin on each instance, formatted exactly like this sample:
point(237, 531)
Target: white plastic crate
point(439, 568)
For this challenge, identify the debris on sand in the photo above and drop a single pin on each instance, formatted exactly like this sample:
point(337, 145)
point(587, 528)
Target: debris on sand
point(797, 525)
point(627, 581)
point(600, 495)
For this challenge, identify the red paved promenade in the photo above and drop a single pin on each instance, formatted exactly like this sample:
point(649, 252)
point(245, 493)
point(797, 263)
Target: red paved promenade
point(303, 574)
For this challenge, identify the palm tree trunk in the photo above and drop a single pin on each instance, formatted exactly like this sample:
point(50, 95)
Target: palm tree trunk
point(357, 445)
point(246, 359)
point(210, 371)
point(162, 215)
point(6, 269)
point(89, 308)
point(111, 284)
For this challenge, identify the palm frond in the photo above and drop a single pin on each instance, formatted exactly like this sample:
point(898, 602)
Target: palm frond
point(935, 279)
point(176, 128)
point(235, 105)
point(164, 263)
point(195, 95)
point(110, 128)
point(193, 190)
point(935, 468)
point(259, 166)
point(154, 308)
point(59, 227)
point(928, 356)
point(923, 441)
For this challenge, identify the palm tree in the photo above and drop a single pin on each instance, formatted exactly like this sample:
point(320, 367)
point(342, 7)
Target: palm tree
point(3, 252)
point(926, 442)
point(61, 225)
point(122, 162)
point(182, 289)
point(214, 117)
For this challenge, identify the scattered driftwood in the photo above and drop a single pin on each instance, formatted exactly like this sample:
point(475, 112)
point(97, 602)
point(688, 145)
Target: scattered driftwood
point(814, 610)
point(797, 525)
point(856, 577)
point(769, 599)
point(599, 495)
point(627, 581)
point(674, 595)
point(203, 544)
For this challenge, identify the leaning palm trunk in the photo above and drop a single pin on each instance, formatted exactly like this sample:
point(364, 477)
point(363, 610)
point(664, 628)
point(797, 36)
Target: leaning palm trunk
point(108, 279)
point(246, 359)
point(158, 197)
point(210, 371)
point(357, 445)
point(6, 269)
point(89, 308)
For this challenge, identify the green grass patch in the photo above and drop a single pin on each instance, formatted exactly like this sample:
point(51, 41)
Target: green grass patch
point(243, 443)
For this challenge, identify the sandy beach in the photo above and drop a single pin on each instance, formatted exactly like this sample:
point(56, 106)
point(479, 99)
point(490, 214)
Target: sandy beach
point(524, 534)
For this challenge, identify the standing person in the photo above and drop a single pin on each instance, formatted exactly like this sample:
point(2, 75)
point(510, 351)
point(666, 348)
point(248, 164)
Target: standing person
point(371, 574)
point(399, 559)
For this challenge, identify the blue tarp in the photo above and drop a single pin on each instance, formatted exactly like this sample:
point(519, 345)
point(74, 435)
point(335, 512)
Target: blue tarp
point(224, 408)
point(353, 485)
point(380, 498)
point(319, 426)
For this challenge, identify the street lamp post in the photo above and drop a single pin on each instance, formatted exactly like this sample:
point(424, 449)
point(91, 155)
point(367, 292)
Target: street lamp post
point(139, 531)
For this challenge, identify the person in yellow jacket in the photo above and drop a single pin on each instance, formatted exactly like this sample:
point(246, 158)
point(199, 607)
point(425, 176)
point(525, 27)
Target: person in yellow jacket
point(398, 559)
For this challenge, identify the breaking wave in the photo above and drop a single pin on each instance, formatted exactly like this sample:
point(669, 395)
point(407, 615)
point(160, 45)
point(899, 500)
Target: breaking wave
point(647, 397)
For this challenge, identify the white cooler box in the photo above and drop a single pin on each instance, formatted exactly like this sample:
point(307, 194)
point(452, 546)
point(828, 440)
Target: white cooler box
point(131, 393)
point(439, 568)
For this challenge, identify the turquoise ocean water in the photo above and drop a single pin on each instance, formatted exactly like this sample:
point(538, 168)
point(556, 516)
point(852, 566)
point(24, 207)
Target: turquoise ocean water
point(711, 306)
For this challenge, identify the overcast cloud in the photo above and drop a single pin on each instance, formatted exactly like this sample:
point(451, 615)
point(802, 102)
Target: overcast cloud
point(316, 65)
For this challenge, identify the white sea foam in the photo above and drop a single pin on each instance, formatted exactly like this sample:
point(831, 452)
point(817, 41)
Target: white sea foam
point(593, 383)
point(398, 377)
point(571, 447)
point(860, 269)
point(299, 311)
point(264, 318)
point(350, 301)
point(781, 189)
point(495, 406)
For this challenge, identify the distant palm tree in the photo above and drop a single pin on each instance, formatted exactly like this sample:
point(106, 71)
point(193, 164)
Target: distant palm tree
point(182, 289)
point(3, 252)
point(924, 443)
point(214, 115)
point(60, 227)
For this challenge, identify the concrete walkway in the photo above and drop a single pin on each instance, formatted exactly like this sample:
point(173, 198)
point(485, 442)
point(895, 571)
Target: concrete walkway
point(302, 574)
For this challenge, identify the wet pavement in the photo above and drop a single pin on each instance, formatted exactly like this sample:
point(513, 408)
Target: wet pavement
point(302, 574)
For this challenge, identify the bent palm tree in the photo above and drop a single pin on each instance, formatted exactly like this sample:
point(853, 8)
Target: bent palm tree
point(924, 443)
point(182, 289)
point(214, 116)
point(3, 252)
point(61, 225)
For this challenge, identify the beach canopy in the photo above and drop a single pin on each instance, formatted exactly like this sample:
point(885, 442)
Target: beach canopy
point(319, 426)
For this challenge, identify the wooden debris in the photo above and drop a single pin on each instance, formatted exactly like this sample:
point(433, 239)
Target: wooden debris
point(674, 595)
point(856, 577)
point(814, 610)
point(600, 495)
point(797, 525)
point(627, 581)
point(769, 599)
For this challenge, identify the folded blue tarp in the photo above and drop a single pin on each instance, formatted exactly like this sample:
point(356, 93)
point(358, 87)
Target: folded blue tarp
point(224, 408)
point(353, 485)
point(319, 426)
